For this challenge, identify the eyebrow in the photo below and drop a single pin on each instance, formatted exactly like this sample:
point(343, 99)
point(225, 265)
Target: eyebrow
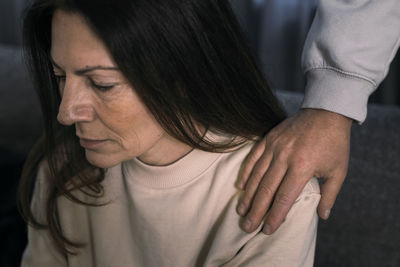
point(86, 69)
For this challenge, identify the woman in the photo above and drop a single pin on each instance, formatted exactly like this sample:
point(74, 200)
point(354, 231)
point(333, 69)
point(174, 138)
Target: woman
point(150, 107)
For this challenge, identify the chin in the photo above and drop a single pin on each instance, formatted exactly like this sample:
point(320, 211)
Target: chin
point(101, 160)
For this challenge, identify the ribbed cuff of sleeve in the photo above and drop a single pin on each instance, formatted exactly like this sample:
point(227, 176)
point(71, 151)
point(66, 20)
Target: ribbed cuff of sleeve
point(332, 90)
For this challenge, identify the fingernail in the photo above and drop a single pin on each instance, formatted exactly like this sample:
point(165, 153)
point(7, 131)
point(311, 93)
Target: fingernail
point(326, 214)
point(267, 229)
point(241, 209)
point(247, 225)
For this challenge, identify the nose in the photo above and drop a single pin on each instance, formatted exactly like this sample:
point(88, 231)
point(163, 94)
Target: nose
point(76, 104)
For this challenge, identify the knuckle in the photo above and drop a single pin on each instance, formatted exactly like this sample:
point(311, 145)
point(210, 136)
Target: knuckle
point(282, 199)
point(265, 190)
point(274, 133)
point(284, 153)
point(301, 159)
point(257, 176)
point(303, 164)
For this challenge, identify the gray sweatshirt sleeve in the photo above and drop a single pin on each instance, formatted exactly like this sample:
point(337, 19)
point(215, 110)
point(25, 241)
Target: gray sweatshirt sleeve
point(348, 52)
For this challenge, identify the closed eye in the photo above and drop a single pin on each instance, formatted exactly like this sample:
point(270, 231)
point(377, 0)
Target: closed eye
point(101, 87)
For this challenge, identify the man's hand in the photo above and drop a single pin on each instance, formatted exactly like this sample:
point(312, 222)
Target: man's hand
point(311, 143)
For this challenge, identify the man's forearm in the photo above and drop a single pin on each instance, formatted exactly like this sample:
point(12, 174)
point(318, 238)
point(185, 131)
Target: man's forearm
point(348, 52)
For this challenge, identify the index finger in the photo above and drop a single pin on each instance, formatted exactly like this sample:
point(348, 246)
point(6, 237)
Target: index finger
point(289, 190)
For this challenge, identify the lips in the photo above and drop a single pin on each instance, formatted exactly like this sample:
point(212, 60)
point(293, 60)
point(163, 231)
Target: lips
point(91, 144)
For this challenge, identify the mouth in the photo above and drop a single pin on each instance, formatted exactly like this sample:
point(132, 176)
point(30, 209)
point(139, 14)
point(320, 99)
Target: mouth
point(91, 144)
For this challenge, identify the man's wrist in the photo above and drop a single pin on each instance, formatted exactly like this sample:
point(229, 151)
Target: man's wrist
point(329, 116)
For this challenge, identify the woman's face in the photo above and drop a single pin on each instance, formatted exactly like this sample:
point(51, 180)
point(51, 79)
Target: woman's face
point(112, 123)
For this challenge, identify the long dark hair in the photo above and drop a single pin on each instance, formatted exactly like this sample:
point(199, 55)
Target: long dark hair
point(188, 62)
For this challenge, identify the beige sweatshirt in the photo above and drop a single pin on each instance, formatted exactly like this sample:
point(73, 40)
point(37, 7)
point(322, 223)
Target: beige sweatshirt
point(177, 215)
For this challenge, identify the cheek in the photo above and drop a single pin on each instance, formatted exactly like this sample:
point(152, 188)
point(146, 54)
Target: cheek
point(130, 125)
point(135, 129)
point(140, 130)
